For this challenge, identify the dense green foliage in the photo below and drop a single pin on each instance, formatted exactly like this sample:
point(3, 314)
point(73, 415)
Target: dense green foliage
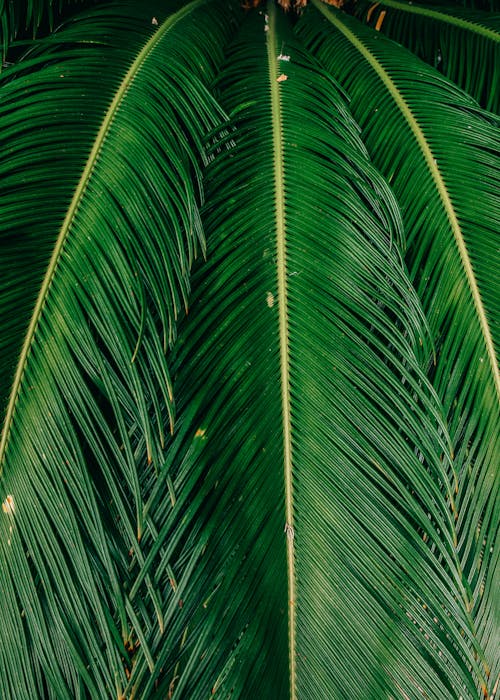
point(249, 352)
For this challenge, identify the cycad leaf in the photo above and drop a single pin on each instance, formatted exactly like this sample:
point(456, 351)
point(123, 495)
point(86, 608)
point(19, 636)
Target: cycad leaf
point(432, 143)
point(295, 535)
point(22, 16)
point(106, 126)
point(314, 484)
point(463, 44)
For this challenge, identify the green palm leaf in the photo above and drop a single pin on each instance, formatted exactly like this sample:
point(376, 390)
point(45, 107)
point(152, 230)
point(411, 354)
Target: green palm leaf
point(431, 142)
point(487, 5)
point(104, 249)
point(307, 408)
point(463, 44)
point(23, 16)
point(272, 475)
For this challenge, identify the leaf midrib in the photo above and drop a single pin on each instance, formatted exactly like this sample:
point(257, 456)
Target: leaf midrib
point(281, 264)
point(438, 180)
point(78, 196)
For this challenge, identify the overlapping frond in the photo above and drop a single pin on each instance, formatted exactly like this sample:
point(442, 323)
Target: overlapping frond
point(24, 16)
point(440, 154)
point(463, 44)
point(488, 5)
point(102, 143)
point(274, 476)
point(314, 430)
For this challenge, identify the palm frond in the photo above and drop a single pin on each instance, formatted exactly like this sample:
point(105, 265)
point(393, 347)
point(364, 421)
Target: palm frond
point(21, 17)
point(315, 479)
point(102, 248)
point(486, 5)
point(462, 44)
point(431, 142)
point(315, 516)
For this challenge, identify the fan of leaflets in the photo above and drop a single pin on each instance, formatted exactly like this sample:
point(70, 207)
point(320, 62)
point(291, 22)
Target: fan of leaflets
point(250, 320)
